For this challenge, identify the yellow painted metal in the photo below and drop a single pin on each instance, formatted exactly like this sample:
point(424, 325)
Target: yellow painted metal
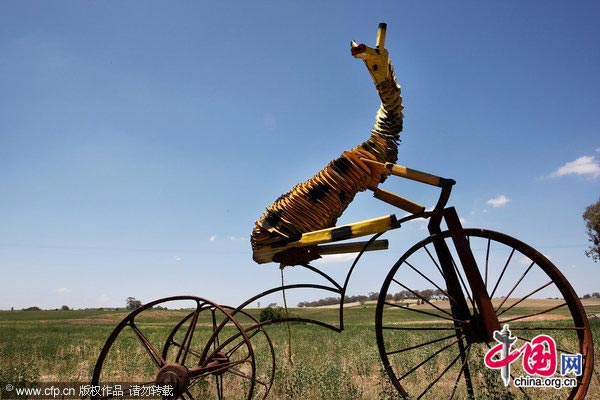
point(415, 175)
point(398, 201)
point(376, 59)
point(344, 232)
point(308, 212)
point(380, 42)
point(354, 247)
point(405, 172)
point(357, 229)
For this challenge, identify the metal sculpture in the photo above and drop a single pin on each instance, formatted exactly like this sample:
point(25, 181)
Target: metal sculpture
point(211, 348)
point(320, 201)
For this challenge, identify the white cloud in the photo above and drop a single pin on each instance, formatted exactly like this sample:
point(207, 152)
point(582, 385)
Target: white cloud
point(236, 238)
point(63, 290)
point(231, 238)
point(498, 201)
point(584, 165)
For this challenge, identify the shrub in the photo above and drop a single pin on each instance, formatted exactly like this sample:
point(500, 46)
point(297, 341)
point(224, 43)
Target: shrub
point(271, 314)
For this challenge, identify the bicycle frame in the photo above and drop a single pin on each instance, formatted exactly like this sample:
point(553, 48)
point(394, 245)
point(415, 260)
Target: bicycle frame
point(471, 320)
point(484, 321)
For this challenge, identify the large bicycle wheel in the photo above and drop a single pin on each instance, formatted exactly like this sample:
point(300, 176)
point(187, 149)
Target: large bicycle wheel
point(430, 352)
point(187, 344)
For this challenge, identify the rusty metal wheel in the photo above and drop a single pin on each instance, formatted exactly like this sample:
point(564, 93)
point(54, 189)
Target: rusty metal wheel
point(429, 352)
point(264, 352)
point(208, 355)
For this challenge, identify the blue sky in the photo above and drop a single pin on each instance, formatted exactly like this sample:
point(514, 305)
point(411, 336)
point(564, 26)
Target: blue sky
point(139, 141)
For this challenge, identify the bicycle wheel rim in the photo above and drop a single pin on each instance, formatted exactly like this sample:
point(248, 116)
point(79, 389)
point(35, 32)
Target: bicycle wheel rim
point(508, 267)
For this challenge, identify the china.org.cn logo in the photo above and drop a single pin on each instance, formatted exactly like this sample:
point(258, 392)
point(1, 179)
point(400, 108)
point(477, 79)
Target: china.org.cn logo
point(539, 361)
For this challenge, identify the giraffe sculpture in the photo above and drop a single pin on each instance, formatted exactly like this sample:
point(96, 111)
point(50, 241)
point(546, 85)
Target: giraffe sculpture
point(318, 203)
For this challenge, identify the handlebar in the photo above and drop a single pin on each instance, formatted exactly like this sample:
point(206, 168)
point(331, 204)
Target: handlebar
point(379, 169)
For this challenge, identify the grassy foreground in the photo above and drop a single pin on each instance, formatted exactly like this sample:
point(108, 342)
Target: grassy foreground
point(62, 346)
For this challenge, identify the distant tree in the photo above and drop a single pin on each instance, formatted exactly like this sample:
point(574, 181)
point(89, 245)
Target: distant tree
point(133, 303)
point(587, 296)
point(271, 314)
point(426, 294)
point(34, 308)
point(65, 308)
point(596, 295)
point(402, 295)
point(591, 216)
point(439, 294)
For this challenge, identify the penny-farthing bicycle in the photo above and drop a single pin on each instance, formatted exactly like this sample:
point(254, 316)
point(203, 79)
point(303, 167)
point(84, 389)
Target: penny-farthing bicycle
point(439, 312)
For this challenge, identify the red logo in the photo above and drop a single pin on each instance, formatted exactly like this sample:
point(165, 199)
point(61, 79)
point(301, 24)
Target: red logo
point(539, 355)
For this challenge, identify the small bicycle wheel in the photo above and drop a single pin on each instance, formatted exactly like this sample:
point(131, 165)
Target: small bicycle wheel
point(429, 352)
point(264, 352)
point(188, 344)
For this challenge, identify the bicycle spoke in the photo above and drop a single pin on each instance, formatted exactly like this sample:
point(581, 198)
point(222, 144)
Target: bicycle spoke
point(436, 380)
point(521, 317)
point(241, 374)
point(187, 339)
point(522, 299)
point(214, 322)
point(463, 284)
point(249, 377)
point(422, 298)
point(444, 292)
point(558, 348)
point(429, 358)
point(425, 312)
point(190, 351)
point(434, 261)
point(410, 328)
point(187, 395)
point(219, 384)
point(547, 328)
point(507, 296)
point(421, 345)
point(502, 273)
point(463, 369)
point(236, 347)
point(487, 261)
point(150, 349)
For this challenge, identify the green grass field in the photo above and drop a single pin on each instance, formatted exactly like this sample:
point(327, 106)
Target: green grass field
point(63, 346)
